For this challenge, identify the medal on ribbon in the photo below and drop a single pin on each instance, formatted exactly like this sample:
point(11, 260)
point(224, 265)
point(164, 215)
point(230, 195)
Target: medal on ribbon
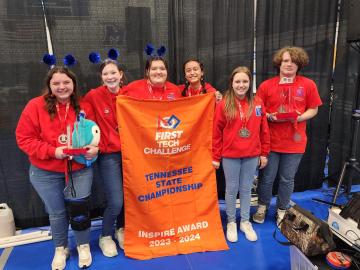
point(63, 138)
point(244, 132)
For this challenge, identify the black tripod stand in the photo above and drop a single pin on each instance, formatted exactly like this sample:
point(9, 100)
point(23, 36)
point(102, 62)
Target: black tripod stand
point(352, 162)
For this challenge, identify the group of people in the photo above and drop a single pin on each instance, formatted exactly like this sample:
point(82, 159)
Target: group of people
point(247, 135)
point(266, 132)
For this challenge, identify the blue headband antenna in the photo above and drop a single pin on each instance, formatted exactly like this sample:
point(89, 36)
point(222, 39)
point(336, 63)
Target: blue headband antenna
point(50, 60)
point(149, 50)
point(95, 58)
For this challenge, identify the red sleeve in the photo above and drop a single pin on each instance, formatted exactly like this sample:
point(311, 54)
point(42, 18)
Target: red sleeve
point(218, 127)
point(264, 132)
point(261, 92)
point(313, 99)
point(28, 134)
point(209, 88)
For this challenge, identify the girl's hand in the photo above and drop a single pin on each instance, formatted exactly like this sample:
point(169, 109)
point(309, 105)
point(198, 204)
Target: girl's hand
point(92, 151)
point(216, 164)
point(59, 153)
point(218, 96)
point(263, 161)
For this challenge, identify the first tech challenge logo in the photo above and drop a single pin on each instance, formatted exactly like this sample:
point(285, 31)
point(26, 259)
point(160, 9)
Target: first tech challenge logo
point(168, 137)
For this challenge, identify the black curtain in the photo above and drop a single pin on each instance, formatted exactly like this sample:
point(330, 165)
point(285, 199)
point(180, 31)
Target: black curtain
point(22, 42)
point(218, 32)
point(345, 98)
point(311, 25)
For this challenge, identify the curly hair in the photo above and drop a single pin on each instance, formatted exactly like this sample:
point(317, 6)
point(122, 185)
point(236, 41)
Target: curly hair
point(298, 56)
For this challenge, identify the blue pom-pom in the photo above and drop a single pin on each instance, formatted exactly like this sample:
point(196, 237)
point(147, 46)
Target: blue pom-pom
point(94, 57)
point(69, 60)
point(113, 54)
point(49, 59)
point(161, 51)
point(149, 49)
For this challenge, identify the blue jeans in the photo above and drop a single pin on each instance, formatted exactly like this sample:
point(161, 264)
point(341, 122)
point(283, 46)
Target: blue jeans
point(110, 168)
point(285, 166)
point(51, 188)
point(239, 176)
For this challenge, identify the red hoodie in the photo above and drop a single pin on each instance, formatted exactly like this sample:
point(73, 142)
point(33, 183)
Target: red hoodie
point(226, 140)
point(38, 136)
point(141, 89)
point(103, 103)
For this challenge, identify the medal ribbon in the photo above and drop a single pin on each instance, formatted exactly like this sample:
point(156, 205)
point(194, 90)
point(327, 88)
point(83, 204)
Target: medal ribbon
point(63, 128)
point(62, 124)
point(150, 89)
point(243, 118)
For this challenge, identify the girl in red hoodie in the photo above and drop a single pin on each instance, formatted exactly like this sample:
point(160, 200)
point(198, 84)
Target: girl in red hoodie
point(195, 83)
point(103, 101)
point(155, 84)
point(42, 133)
point(241, 139)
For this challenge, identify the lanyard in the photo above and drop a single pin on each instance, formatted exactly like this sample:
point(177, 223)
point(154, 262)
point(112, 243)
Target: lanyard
point(191, 90)
point(243, 118)
point(62, 124)
point(150, 89)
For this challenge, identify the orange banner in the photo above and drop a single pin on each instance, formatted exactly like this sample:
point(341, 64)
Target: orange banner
point(171, 204)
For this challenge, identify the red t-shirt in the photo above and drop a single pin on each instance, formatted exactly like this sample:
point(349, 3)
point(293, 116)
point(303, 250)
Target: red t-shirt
point(38, 135)
point(227, 141)
point(194, 92)
point(103, 103)
point(142, 89)
point(302, 94)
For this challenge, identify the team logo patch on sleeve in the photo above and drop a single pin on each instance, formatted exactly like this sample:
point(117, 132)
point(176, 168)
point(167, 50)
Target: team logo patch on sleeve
point(258, 110)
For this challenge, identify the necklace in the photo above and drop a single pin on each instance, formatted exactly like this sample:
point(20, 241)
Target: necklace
point(244, 132)
point(64, 136)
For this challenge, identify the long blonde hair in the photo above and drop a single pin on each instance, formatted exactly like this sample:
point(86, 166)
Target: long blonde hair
point(231, 108)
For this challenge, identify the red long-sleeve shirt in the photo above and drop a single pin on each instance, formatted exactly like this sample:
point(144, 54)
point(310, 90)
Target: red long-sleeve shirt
point(103, 103)
point(38, 136)
point(141, 89)
point(226, 139)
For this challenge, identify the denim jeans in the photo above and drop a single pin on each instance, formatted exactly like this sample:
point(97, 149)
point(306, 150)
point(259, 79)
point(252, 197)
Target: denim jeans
point(284, 165)
point(51, 188)
point(239, 177)
point(110, 168)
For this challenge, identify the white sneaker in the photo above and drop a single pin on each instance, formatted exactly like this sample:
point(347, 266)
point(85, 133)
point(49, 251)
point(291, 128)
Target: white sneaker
point(247, 228)
point(60, 257)
point(259, 216)
point(85, 258)
point(119, 235)
point(107, 246)
point(279, 216)
point(231, 232)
